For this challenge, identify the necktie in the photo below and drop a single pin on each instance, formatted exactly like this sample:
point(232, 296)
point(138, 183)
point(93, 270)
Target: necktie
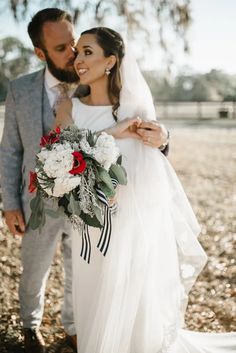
point(63, 90)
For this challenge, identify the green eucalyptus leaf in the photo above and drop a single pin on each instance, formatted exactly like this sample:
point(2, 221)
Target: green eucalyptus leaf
point(37, 217)
point(74, 207)
point(91, 221)
point(34, 221)
point(118, 172)
point(119, 160)
point(91, 138)
point(110, 193)
point(105, 177)
point(34, 203)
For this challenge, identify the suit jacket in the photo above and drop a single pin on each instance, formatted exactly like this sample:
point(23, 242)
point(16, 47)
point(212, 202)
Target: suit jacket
point(27, 110)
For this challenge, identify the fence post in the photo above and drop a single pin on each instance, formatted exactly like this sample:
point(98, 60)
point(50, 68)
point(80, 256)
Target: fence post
point(199, 110)
point(166, 109)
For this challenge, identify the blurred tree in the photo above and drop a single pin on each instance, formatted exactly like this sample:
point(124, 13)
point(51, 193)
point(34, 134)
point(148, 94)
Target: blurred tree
point(15, 60)
point(160, 87)
point(225, 84)
point(190, 88)
point(138, 15)
point(231, 97)
point(212, 86)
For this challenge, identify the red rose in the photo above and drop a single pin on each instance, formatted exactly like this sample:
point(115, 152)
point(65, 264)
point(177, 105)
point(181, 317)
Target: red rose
point(54, 139)
point(33, 182)
point(51, 138)
point(44, 140)
point(79, 164)
point(58, 130)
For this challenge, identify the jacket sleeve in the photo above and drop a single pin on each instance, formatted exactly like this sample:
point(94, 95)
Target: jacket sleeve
point(11, 155)
point(166, 150)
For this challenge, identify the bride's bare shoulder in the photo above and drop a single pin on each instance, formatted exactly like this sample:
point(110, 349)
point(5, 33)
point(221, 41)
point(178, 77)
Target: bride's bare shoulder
point(64, 114)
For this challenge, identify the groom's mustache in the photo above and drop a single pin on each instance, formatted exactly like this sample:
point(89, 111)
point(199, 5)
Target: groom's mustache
point(66, 74)
point(71, 62)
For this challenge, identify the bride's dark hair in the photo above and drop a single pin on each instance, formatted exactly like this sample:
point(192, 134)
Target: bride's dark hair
point(112, 44)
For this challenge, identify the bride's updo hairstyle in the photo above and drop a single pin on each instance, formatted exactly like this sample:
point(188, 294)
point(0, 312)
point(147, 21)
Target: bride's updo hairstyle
point(112, 44)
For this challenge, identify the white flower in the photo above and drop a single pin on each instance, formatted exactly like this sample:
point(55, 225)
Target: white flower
point(57, 162)
point(75, 146)
point(63, 186)
point(43, 154)
point(105, 151)
point(85, 146)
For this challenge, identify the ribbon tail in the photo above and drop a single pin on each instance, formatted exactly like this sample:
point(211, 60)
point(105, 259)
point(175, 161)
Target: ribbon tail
point(86, 244)
point(105, 237)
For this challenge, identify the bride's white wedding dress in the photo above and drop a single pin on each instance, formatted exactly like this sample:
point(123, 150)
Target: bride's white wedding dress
point(133, 300)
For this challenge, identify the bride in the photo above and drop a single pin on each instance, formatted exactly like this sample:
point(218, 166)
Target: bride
point(133, 300)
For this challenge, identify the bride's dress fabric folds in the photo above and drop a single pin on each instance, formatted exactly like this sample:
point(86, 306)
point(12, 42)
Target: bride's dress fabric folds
point(133, 300)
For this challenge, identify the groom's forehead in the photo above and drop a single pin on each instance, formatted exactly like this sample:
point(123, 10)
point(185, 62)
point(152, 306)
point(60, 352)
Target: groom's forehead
point(56, 33)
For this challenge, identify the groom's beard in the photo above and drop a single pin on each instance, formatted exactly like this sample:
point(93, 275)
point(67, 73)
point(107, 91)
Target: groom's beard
point(63, 75)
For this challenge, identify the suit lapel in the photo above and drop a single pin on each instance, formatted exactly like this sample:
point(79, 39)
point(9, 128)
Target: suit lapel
point(40, 110)
point(48, 116)
point(36, 106)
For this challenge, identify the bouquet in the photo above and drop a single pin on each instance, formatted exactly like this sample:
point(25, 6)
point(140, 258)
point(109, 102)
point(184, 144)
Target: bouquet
point(79, 170)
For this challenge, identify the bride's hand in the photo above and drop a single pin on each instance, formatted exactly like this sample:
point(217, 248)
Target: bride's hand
point(126, 128)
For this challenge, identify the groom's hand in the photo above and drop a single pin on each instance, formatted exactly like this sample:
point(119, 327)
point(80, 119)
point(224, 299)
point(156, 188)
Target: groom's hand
point(15, 221)
point(152, 133)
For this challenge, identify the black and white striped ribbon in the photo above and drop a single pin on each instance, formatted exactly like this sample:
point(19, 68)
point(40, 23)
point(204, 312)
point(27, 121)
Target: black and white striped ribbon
point(86, 244)
point(105, 237)
point(114, 182)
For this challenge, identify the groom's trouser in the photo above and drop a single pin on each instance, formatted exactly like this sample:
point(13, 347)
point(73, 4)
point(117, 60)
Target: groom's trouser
point(38, 250)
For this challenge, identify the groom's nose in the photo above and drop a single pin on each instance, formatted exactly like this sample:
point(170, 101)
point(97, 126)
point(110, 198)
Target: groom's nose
point(71, 52)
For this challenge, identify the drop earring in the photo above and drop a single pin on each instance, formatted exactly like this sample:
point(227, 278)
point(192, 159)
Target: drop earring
point(107, 71)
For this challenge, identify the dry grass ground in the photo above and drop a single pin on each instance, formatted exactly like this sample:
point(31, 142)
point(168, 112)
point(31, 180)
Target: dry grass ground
point(205, 160)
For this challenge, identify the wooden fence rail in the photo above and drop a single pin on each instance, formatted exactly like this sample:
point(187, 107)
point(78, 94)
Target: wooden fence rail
point(186, 110)
point(195, 110)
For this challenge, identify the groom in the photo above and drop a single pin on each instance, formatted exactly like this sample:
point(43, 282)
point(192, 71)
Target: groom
point(31, 105)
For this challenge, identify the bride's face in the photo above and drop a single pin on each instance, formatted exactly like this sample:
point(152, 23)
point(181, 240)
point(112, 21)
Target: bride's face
point(90, 63)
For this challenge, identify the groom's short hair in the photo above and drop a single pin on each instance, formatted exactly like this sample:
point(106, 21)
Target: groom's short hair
point(35, 27)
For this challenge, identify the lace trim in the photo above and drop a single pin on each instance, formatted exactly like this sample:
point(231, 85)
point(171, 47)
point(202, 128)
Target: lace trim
point(170, 334)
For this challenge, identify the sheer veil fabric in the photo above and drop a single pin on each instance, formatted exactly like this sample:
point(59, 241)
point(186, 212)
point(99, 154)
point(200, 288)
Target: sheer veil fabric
point(134, 299)
point(135, 96)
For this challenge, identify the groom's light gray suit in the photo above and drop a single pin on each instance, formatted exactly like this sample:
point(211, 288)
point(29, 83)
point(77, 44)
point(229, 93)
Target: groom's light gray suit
point(29, 116)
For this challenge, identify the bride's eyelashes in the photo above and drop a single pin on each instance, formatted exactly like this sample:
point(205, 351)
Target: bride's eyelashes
point(86, 52)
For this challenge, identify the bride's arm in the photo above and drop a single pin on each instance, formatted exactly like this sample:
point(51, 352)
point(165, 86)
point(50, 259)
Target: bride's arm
point(64, 115)
point(126, 128)
point(151, 133)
